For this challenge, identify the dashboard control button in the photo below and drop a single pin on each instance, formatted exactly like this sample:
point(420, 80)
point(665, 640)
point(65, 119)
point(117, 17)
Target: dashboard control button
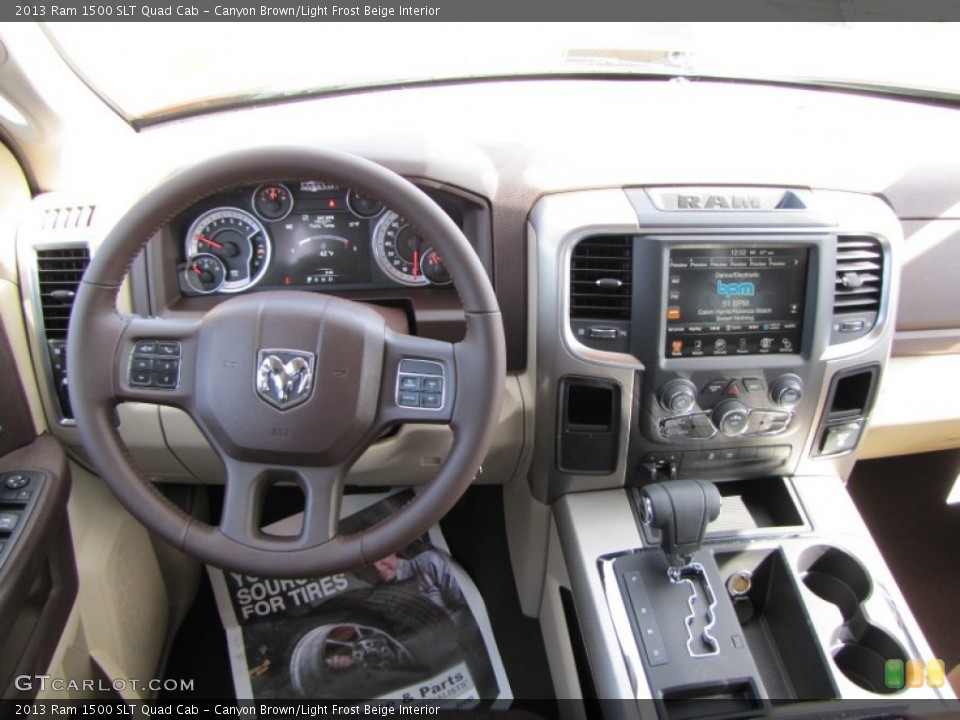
point(9, 520)
point(753, 384)
point(734, 389)
point(728, 454)
point(731, 417)
point(852, 326)
point(678, 396)
point(145, 347)
point(786, 391)
point(841, 438)
point(168, 348)
point(603, 333)
point(16, 481)
point(714, 387)
point(687, 427)
point(23, 495)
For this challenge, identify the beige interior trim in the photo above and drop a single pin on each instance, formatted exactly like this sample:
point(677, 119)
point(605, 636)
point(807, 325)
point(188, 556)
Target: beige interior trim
point(917, 408)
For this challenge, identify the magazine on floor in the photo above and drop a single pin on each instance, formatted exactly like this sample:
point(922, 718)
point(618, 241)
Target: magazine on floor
point(410, 627)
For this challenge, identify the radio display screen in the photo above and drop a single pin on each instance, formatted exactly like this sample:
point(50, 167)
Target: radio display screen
point(741, 300)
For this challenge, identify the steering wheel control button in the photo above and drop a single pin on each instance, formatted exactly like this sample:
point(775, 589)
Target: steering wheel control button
point(420, 384)
point(155, 364)
point(409, 399)
point(432, 401)
point(432, 385)
point(168, 366)
point(421, 367)
point(143, 379)
point(16, 481)
point(141, 364)
point(166, 380)
point(409, 382)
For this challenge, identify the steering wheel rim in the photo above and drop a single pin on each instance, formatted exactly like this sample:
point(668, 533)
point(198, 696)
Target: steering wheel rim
point(102, 341)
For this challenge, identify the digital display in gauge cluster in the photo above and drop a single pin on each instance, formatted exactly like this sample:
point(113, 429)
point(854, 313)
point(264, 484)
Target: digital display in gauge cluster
point(307, 235)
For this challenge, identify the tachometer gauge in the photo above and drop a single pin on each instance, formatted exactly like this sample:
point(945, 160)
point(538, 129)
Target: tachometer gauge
point(272, 202)
point(237, 239)
point(399, 250)
point(205, 273)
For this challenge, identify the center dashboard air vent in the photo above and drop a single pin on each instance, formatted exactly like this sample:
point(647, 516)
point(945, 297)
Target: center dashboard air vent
point(601, 291)
point(858, 286)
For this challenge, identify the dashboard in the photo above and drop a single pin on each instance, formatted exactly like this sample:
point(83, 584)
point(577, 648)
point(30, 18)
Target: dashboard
point(662, 319)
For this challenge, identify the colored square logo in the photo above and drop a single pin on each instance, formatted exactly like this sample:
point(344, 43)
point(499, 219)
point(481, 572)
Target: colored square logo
point(915, 673)
point(935, 673)
point(893, 674)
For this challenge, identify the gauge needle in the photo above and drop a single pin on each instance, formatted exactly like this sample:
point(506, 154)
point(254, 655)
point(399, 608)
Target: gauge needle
point(416, 263)
point(211, 243)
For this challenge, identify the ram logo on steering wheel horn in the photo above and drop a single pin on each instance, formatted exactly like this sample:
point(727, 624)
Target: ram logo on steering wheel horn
point(284, 377)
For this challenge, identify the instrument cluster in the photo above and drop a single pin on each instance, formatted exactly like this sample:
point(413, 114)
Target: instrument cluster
point(308, 235)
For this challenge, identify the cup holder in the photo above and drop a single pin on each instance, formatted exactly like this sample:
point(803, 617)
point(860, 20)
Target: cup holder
point(838, 578)
point(834, 576)
point(863, 661)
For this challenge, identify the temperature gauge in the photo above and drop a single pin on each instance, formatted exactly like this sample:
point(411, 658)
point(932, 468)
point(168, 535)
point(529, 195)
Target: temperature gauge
point(272, 202)
point(205, 273)
point(433, 268)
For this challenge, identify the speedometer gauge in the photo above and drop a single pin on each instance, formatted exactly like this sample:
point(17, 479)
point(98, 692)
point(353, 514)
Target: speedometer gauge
point(237, 239)
point(399, 251)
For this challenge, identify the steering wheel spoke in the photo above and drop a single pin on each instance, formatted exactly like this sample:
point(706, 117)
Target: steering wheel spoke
point(243, 504)
point(155, 361)
point(419, 380)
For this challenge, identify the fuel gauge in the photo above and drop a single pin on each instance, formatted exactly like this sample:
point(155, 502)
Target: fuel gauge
point(205, 273)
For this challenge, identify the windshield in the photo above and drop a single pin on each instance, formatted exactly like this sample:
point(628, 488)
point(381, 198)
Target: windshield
point(156, 70)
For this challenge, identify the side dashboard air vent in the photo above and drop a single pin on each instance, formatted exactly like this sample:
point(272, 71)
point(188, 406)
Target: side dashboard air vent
point(77, 217)
point(858, 286)
point(601, 278)
point(58, 276)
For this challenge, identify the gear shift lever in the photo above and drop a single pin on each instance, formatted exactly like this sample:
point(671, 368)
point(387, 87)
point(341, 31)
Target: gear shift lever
point(680, 509)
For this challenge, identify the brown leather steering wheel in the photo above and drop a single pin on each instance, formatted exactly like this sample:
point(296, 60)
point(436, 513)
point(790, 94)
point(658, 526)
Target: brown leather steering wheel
point(241, 378)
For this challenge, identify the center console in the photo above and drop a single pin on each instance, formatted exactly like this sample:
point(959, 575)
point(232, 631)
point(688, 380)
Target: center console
point(736, 336)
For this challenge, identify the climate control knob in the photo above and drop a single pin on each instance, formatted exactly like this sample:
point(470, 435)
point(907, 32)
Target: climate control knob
point(678, 396)
point(786, 391)
point(731, 417)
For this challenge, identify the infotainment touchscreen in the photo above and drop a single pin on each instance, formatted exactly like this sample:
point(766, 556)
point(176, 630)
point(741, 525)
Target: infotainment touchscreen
point(737, 300)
